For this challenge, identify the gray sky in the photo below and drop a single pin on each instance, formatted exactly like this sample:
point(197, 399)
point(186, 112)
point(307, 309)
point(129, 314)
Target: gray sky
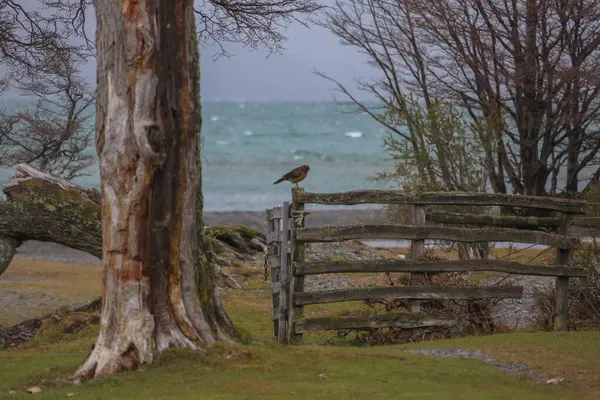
point(249, 75)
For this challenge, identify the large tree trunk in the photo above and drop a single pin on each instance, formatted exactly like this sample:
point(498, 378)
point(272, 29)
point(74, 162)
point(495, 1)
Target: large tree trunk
point(158, 288)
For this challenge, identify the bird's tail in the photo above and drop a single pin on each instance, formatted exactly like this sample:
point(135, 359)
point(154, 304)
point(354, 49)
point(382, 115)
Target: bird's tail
point(279, 180)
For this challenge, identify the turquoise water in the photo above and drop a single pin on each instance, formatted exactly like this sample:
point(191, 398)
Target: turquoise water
point(247, 146)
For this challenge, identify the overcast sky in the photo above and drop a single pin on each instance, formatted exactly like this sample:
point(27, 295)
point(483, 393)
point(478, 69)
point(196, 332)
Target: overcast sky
point(249, 75)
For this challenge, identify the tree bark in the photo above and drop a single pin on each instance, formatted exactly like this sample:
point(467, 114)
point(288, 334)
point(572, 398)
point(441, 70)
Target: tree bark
point(46, 208)
point(8, 245)
point(159, 290)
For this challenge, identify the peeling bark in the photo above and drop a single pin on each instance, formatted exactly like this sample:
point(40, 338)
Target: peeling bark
point(159, 289)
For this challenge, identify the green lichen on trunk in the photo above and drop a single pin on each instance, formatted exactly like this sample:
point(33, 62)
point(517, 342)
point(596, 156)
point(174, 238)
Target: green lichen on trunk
point(8, 246)
point(42, 210)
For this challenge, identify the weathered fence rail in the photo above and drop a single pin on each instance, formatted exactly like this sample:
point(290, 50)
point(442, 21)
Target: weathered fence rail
point(287, 236)
point(588, 225)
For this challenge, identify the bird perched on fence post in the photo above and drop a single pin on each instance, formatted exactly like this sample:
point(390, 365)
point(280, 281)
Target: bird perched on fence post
point(295, 176)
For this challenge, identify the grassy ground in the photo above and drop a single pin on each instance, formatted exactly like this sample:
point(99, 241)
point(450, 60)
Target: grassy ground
point(264, 370)
point(31, 288)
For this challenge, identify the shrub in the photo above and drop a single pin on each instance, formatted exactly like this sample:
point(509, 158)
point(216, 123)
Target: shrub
point(584, 294)
point(474, 317)
point(593, 197)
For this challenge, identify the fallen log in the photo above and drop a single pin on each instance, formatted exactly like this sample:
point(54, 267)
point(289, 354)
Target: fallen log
point(47, 208)
point(68, 320)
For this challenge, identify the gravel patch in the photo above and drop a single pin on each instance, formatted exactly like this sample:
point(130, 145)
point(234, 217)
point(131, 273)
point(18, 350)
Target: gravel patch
point(46, 251)
point(517, 313)
point(349, 251)
point(10, 299)
point(515, 368)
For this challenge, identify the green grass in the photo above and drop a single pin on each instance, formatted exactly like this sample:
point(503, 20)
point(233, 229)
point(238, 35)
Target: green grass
point(269, 371)
point(266, 370)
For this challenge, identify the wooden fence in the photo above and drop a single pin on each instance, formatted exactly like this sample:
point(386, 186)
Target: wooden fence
point(287, 236)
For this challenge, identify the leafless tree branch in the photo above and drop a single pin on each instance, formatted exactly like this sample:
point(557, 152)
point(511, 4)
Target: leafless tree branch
point(54, 134)
point(254, 23)
point(526, 73)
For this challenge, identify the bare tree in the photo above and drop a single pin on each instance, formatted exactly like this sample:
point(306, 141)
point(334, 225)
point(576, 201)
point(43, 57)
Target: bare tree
point(526, 73)
point(159, 286)
point(159, 289)
point(39, 57)
point(54, 134)
point(533, 64)
point(422, 125)
point(31, 32)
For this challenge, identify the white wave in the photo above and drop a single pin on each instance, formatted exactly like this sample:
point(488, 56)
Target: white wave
point(354, 134)
point(223, 142)
point(242, 105)
point(248, 132)
point(298, 158)
point(214, 118)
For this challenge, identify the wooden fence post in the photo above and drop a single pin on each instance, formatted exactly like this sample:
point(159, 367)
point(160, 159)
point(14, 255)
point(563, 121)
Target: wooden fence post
point(284, 276)
point(417, 249)
point(417, 217)
point(273, 264)
point(298, 281)
point(563, 256)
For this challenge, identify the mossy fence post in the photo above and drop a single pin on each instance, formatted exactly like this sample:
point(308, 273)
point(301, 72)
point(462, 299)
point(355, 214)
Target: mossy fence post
point(274, 216)
point(297, 285)
point(417, 249)
point(563, 257)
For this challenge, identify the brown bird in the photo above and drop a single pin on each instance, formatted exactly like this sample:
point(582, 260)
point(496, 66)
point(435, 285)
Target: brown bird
point(295, 176)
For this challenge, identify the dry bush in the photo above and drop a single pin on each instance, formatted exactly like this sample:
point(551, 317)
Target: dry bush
point(584, 294)
point(474, 317)
point(593, 196)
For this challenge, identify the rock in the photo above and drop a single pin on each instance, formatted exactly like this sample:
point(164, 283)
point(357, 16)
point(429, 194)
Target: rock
point(34, 389)
point(555, 381)
point(12, 392)
point(323, 375)
point(70, 394)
